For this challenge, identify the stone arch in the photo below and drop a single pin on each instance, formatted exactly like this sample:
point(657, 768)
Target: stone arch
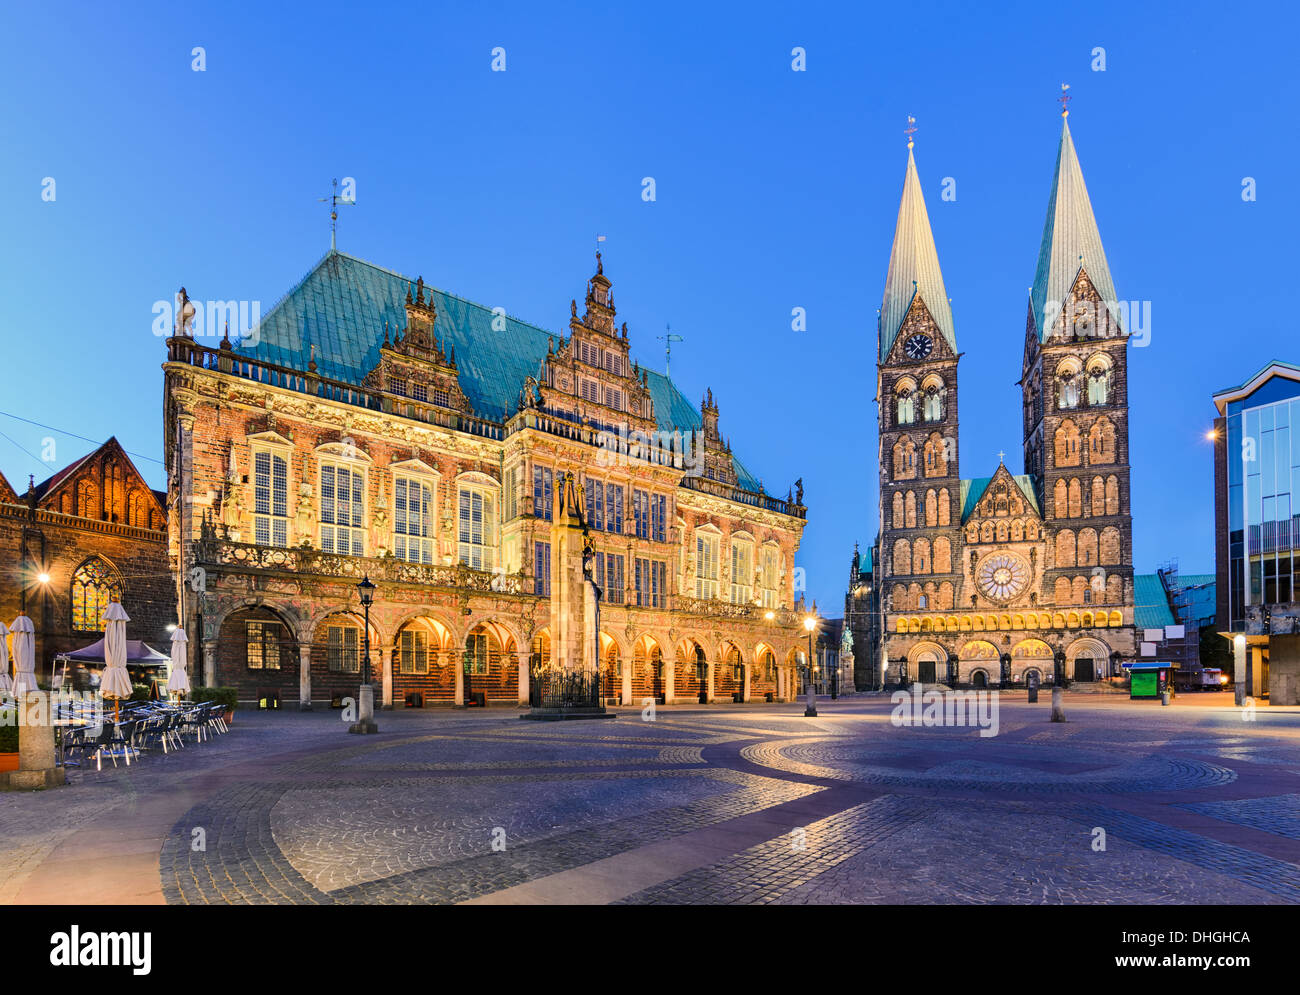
point(690, 668)
point(904, 453)
point(902, 563)
point(1065, 444)
point(257, 650)
point(1076, 498)
point(1109, 553)
point(1090, 648)
point(1065, 548)
point(425, 655)
point(1087, 547)
point(898, 520)
point(1060, 499)
point(1061, 591)
point(945, 507)
point(942, 555)
point(931, 508)
point(909, 514)
point(936, 456)
point(921, 561)
point(1112, 495)
point(1101, 441)
point(1097, 497)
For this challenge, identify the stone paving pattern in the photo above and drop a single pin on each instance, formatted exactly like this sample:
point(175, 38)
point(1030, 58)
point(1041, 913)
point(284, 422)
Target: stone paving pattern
point(718, 805)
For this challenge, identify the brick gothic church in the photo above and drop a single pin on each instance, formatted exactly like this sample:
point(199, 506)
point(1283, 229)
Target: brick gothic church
point(983, 580)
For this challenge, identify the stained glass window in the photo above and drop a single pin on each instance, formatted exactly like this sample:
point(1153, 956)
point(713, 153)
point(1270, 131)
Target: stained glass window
point(93, 586)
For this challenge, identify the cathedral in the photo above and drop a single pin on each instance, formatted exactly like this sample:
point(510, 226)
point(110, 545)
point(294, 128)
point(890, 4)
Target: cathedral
point(994, 580)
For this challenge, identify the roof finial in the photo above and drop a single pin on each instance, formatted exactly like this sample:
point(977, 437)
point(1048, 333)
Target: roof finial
point(1064, 99)
point(600, 266)
point(910, 130)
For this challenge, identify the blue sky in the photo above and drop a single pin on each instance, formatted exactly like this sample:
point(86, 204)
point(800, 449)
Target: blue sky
point(775, 189)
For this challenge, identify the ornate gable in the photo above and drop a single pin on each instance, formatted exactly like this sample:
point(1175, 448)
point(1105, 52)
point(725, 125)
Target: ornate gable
point(105, 486)
point(7, 493)
point(415, 367)
point(919, 321)
point(590, 377)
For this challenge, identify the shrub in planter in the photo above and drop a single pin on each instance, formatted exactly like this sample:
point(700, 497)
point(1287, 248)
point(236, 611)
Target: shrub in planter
point(229, 697)
point(8, 738)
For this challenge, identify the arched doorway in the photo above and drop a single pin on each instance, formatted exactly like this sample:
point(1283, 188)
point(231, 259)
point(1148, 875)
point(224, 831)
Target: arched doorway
point(256, 651)
point(488, 666)
point(979, 679)
point(647, 670)
point(731, 675)
point(423, 663)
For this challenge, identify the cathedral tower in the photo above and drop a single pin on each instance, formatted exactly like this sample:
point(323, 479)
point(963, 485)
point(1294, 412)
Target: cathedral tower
point(1075, 404)
point(916, 391)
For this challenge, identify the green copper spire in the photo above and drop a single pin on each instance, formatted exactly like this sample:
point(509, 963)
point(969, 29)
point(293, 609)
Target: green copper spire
point(913, 267)
point(1070, 241)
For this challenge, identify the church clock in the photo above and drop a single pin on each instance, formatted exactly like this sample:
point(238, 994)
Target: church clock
point(918, 346)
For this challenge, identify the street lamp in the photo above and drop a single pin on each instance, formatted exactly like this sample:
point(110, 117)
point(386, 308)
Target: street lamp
point(366, 711)
point(810, 710)
point(366, 590)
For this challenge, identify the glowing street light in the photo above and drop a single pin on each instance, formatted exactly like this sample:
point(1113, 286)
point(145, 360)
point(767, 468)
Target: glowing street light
point(810, 710)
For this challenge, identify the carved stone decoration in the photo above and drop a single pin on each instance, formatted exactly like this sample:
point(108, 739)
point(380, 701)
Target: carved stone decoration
point(305, 518)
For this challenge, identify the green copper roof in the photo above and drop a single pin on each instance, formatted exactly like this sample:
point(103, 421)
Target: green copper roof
point(1150, 604)
point(1070, 241)
point(340, 307)
point(913, 268)
point(973, 489)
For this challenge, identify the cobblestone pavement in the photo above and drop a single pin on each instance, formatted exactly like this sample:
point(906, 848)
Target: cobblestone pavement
point(1125, 803)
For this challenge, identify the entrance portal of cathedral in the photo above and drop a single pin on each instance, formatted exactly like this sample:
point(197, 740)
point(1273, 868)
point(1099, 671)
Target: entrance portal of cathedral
point(1083, 669)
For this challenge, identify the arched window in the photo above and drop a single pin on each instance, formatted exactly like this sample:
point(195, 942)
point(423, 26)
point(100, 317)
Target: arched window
point(94, 585)
point(1099, 380)
point(932, 403)
point(906, 407)
point(87, 499)
point(1068, 390)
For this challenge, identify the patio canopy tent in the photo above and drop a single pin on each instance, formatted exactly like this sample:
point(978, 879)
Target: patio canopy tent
point(138, 654)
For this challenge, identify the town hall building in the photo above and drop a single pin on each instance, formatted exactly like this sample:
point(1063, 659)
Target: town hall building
point(991, 580)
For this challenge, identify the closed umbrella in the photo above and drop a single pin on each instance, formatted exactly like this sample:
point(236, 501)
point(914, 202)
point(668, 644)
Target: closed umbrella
point(24, 655)
point(6, 682)
point(178, 682)
point(117, 682)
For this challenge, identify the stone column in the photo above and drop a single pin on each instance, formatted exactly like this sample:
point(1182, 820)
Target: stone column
point(1256, 672)
point(709, 667)
point(521, 661)
point(458, 667)
point(304, 677)
point(745, 689)
point(670, 681)
point(209, 663)
point(386, 655)
point(627, 681)
point(1239, 670)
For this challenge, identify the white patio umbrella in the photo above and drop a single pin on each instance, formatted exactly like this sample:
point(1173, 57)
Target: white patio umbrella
point(24, 655)
point(178, 682)
point(6, 682)
point(117, 682)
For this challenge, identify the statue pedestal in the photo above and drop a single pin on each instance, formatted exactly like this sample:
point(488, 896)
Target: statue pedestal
point(36, 763)
point(365, 723)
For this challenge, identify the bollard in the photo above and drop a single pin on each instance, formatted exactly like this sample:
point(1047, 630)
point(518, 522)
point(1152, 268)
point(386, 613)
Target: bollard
point(1164, 697)
point(1058, 713)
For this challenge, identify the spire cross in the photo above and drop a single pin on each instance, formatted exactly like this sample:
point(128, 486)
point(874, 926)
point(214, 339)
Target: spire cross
point(910, 130)
point(1002, 458)
point(1064, 99)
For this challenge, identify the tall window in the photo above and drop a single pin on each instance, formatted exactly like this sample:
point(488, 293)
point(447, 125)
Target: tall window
point(595, 492)
point(641, 513)
point(610, 577)
point(659, 517)
point(476, 653)
point(87, 503)
point(614, 508)
point(343, 649)
point(94, 585)
point(262, 645)
point(542, 569)
point(543, 492)
point(413, 652)
point(770, 578)
point(1068, 390)
point(340, 510)
point(932, 404)
point(270, 499)
point(477, 528)
point(742, 571)
point(706, 565)
point(651, 583)
point(906, 407)
point(413, 520)
point(1098, 385)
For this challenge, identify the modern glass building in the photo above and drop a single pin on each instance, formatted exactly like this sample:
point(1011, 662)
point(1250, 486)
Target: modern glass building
point(1257, 510)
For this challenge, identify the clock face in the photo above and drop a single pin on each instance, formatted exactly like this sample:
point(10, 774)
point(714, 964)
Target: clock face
point(1003, 576)
point(918, 347)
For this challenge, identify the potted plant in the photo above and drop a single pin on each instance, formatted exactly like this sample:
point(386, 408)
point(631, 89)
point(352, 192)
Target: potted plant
point(228, 697)
point(8, 747)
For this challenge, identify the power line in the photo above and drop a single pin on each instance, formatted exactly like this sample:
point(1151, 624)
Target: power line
point(25, 449)
point(74, 435)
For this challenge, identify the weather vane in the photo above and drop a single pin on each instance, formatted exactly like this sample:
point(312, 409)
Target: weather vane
point(1064, 99)
point(910, 130)
point(335, 200)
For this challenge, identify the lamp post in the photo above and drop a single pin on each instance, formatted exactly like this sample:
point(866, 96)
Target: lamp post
point(810, 710)
point(366, 697)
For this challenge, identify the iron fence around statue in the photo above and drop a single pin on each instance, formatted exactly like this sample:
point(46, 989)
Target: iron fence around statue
point(560, 689)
